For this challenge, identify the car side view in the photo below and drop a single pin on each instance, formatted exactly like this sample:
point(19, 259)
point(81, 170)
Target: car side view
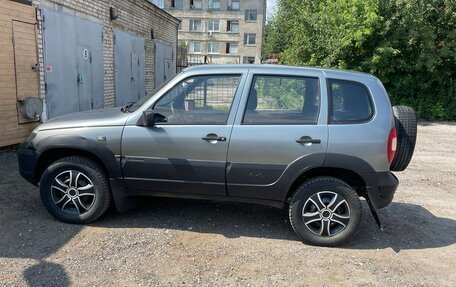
point(311, 140)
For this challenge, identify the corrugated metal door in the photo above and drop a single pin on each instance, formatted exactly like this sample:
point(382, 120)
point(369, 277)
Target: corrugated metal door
point(129, 61)
point(163, 60)
point(73, 83)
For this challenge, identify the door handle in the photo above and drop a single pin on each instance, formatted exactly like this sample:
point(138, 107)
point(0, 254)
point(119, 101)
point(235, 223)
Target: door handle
point(308, 140)
point(214, 137)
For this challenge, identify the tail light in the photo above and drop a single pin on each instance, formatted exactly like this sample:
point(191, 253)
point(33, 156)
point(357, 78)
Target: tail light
point(392, 144)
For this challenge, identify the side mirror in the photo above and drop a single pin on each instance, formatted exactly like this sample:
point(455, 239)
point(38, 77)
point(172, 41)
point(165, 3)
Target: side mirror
point(150, 118)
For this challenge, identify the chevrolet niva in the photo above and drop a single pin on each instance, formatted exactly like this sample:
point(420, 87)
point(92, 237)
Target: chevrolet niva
point(310, 140)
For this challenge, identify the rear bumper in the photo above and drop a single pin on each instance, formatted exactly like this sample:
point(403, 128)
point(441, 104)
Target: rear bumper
point(27, 159)
point(381, 187)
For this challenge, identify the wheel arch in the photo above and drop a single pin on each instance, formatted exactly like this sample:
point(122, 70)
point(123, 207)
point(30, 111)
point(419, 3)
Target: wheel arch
point(57, 147)
point(351, 177)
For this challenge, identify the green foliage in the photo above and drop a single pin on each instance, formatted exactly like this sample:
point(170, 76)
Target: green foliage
point(280, 93)
point(409, 44)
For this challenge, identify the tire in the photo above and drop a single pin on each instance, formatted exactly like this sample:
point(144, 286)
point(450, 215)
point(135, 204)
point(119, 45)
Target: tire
point(312, 211)
point(75, 190)
point(405, 120)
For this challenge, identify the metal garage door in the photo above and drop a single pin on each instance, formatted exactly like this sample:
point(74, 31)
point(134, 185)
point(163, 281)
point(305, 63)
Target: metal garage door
point(163, 62)
point(73, 63)
point(129, 62)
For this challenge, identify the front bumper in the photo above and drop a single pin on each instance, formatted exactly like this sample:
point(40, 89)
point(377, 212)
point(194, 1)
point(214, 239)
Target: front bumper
point(381, 187)
point(27, 159)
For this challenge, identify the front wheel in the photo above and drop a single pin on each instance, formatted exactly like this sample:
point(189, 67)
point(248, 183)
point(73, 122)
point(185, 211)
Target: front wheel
point(325, 211)
point(75, 190)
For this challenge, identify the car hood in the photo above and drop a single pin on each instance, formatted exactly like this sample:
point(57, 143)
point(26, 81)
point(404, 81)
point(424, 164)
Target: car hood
point(91, 118)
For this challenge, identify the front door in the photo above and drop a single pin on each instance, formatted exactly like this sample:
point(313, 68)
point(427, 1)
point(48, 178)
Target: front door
point(278, 135)
point(186, 154)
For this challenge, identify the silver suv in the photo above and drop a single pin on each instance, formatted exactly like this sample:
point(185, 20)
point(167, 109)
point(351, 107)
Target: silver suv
point(311, 140)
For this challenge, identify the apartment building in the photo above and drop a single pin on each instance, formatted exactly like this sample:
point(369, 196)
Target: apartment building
point(219, 31)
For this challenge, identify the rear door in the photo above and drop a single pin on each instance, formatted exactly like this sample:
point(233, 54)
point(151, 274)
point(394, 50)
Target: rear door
point(280, 131)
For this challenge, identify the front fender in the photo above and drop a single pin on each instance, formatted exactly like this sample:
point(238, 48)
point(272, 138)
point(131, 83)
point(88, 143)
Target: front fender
point(71, 142)
point(110, 162)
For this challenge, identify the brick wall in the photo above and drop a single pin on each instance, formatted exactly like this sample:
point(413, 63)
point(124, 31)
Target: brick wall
point(135, 16)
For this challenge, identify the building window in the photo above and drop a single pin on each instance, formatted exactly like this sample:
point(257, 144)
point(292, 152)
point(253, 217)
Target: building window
point(158, 3)
point(234, 5)
point(249, 60)
point(213, 25)
point(195, 25)
point(249, 39)
point(194, 47)
point(232, 26)
point(231, 48)
point(196, 4)
point(250, 15)
point(214, 4)
point(213, 48)
point(177, 4)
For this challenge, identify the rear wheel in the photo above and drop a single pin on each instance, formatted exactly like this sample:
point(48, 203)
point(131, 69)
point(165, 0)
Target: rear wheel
point(325, 211)
point(75, 190)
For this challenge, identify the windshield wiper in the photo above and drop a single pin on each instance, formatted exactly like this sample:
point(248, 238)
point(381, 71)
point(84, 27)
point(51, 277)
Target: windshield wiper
point(126, 108)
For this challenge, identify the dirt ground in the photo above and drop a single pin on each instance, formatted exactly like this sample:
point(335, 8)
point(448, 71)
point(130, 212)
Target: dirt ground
point(168, 242)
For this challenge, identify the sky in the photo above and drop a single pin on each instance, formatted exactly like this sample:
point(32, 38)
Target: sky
point(270, 6)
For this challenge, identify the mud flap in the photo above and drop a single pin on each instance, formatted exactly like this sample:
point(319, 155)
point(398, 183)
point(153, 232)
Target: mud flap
point(122, 202)
point(374, 211)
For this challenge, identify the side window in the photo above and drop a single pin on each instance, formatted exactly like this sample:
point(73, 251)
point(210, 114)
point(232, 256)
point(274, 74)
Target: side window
point(282, 100)
point(349, 102)
point(199, 100)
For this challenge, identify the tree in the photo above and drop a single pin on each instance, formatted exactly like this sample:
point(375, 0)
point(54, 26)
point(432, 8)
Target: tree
point(409, 44)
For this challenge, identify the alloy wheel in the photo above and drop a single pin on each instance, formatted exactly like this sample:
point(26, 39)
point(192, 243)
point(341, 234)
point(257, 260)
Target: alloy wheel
point(73, 192)
point(326, 213)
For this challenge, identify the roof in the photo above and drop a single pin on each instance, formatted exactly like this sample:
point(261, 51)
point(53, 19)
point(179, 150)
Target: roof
point(270, 68)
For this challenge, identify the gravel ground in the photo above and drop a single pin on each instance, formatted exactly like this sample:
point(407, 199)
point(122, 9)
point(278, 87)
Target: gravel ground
point(199, 243)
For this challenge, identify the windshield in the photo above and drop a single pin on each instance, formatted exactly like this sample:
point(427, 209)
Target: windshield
point(143, 100)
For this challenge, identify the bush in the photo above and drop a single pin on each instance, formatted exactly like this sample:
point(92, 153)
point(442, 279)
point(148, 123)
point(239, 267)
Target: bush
point(409, 44)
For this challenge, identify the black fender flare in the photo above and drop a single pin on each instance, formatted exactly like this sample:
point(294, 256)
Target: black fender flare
point(71, 142)
point(348, 162)
point(100, 151)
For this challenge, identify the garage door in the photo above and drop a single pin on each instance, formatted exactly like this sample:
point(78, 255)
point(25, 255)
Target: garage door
point(73, 63)
point(129, 61)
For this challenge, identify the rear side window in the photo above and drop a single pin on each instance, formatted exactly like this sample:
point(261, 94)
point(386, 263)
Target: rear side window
point(282, 100)
point(349, 102)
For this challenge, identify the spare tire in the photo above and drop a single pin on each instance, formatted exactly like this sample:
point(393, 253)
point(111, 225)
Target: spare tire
point(405, 119)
